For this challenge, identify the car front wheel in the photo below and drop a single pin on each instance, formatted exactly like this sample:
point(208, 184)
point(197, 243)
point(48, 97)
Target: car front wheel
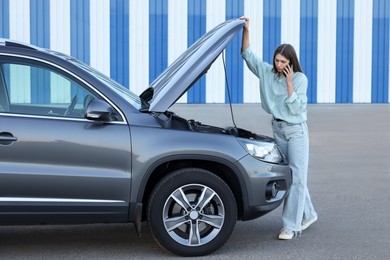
point(191, 212)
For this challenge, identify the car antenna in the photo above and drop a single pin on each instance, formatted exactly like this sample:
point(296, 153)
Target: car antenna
point(228, 89)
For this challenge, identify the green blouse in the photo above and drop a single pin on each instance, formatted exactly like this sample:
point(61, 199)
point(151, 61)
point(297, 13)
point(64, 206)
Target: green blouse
point(273, 90)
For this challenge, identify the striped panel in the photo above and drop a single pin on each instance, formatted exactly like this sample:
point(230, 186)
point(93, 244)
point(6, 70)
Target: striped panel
point(234, 63)
point(19, 29)
point(100, 36)
point(4, 19)
point(290, 23)
point(308, 45)
point(60, 26)
point(80, 30)
point(39, 25)
point(343, 45)
point(119, 41)
point(326, 55)
point(158, 37)
point(59, 41)
point(380, 52)
point(362, 51)
point(19, 20)
point(344, 51)
point(215, 77)
point(177, 32)
point(253, 9)
point(196, 28)
point(271, 28)
point(138, 36)
point(79, 36)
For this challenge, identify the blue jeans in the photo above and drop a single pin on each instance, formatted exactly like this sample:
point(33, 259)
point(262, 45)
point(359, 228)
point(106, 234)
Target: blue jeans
point(293, 140)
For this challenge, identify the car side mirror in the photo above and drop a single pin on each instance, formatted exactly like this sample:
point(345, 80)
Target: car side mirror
point(99, 110)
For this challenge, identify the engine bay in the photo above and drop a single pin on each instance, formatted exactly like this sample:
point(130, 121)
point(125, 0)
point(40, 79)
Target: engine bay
point(172, 121)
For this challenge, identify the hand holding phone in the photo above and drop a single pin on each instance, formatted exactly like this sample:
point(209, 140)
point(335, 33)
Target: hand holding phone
point(289, 74)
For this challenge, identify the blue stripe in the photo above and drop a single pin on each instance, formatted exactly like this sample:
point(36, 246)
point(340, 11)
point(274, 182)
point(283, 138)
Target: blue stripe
point(308, 45)
point(158, 37)
point(196, 28)
point(40, 23)
point(344, 51)
point(271, 28)
point(380, 52)
point(40, 36)
point(80, 30)
point(234, 63)
point(119, 41)
point(79, 35)
point(4, 19)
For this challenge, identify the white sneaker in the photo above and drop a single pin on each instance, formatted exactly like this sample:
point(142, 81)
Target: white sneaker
point(286, 234)
point(308, 222)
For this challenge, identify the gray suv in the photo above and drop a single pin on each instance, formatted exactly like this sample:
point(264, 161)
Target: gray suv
point(76, 147)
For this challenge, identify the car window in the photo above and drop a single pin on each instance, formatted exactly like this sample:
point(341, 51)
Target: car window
point(36, 90)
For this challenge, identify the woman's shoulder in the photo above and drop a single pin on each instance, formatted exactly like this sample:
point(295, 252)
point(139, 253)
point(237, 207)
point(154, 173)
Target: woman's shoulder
point(300, 75)
point(300, 78)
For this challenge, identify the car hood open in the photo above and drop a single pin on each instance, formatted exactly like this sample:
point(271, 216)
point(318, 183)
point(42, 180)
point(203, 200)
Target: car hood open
point(189, 67)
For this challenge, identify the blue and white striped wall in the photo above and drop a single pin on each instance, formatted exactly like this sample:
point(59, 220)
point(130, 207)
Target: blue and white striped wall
point(343, 45)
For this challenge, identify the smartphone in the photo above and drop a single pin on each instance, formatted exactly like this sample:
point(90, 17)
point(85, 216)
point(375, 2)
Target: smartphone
point(284, 71)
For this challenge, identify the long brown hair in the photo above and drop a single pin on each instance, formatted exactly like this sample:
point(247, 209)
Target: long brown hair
point(288, 51)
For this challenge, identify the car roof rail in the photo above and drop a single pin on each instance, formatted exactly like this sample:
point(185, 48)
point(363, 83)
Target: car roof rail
point(12, 43)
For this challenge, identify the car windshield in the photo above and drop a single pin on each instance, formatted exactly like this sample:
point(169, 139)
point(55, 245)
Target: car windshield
point(131, 97)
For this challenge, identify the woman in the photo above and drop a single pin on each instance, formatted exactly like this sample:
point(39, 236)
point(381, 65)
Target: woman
point(283, 94)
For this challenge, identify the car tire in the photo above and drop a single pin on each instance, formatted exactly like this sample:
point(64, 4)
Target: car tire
point(207, 210)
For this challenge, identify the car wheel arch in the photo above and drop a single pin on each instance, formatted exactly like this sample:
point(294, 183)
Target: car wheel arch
point(218, 166)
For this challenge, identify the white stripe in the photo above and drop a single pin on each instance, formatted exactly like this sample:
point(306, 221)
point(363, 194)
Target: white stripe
point(362, 52)
point(253, 9)
point(19, 20)
point(215, 77)
point(19, 29)
point(59, 41)
point(177, 32)
point(139, 46)
point(60, 26)
point(100, 36)
point(290, 23)
point(326, 59)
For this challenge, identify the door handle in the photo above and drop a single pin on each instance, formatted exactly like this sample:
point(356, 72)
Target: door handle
point(7, 138)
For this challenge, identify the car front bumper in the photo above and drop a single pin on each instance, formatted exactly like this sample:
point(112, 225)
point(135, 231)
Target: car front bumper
point(260, 177)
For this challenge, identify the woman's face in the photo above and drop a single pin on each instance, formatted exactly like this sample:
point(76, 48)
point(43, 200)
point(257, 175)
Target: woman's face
point(281, 62)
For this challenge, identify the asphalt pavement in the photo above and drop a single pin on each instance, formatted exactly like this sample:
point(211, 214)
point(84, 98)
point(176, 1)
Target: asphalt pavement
point(349, 182)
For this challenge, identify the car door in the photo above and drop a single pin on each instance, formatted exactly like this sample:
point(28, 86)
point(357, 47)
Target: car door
point(55, 165)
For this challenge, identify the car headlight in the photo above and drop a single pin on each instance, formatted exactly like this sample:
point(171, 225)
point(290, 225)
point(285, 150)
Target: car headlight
point(265, 151)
